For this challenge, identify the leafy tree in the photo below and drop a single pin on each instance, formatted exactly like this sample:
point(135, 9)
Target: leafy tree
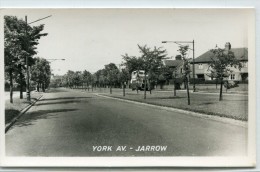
point(20, 42)
point(221, 61)
point(132, 63)
point(151, 61)
point(123, 77)
point(87, 78)
point(186, 68)
point(111, 72)
point(77, 79)
point(70, 75)
point(11, 53)
point(41, 73)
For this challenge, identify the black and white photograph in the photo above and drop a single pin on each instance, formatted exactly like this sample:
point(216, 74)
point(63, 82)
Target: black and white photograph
point(128, 87)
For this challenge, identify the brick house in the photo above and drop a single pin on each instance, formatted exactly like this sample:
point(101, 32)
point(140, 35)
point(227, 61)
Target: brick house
point(176, 64)
point(202, 65)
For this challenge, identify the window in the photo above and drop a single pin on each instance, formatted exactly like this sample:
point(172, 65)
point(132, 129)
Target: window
point(232, 76)
point(200, 76)
point(200, 66)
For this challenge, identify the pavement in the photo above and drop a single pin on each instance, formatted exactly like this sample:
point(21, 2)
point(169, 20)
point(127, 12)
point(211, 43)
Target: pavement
point(71, 123)
point(15, 94)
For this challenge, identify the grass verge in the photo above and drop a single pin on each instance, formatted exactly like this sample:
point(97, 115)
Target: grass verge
point(235, 107)
point(13, 109)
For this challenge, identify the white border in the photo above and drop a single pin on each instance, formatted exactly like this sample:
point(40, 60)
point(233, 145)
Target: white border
point(247, 161)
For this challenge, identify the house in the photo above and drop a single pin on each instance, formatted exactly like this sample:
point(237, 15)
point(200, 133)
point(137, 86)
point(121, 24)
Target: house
point(176, 65)
point(202, 65)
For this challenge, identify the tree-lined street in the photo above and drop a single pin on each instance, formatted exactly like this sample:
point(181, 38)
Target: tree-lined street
point(121, 91)
point(70, 122)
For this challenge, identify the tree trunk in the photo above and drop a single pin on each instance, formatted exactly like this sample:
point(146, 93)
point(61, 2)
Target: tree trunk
point(221, 86)
point(11, 86)
point(188, 92)
point(150, 89)
point(43, 87)
point(123, 89)
point(38, 88)
point(21, 83)
point(144, 85)
point(92, 87)
point(174, 89)
point(110, 88)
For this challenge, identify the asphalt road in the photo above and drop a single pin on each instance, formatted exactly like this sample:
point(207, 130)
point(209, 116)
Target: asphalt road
point(70, 123)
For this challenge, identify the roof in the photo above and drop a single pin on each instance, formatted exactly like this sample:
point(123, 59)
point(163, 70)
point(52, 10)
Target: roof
point(173, 63)
point(240, 54)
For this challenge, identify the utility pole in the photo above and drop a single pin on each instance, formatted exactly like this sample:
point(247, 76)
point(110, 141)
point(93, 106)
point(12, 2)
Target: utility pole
point(193, 66)
point(28, 96)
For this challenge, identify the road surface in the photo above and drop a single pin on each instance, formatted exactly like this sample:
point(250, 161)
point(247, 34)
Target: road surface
point(72, 123)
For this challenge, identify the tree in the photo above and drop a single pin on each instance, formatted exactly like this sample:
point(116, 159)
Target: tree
point(12, 50)
point(41, 73)
point(123, 77)
point(151, 61)
point(20, 42)
point(131, 64)
point(70, 75)
point(87, 78)
point(77, 79)
point(186, 68)
point(111, 73)
point(221, 61)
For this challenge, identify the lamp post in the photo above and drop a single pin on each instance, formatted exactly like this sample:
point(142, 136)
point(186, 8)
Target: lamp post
point(28, 95)
point(54, 60)
point(193, 49)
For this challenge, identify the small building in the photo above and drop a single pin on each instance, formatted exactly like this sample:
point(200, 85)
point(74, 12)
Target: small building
point(176, 65)
point(202, 65)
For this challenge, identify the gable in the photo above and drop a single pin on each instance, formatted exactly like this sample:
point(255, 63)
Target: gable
point(240, 54)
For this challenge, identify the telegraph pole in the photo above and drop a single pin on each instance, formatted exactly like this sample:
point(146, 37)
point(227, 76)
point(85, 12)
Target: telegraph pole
point(28, 96)
point(193, 66)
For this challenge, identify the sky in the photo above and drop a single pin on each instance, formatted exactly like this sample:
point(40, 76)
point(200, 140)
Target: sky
point(88, 39)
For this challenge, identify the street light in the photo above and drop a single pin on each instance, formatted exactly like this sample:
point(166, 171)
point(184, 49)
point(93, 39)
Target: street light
point(54, 59)
point(193, 49)
point(28, 96)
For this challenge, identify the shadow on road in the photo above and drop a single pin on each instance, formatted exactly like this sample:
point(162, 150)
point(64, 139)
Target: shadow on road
point(60, 102)
point(171, 97)
point(62, 98)
point(31, 117)
point(207, 103)
point(56, 90)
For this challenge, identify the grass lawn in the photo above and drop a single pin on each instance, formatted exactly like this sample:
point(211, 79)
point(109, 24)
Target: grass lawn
point(232, 106)
point(13, 109)
point(242, 88)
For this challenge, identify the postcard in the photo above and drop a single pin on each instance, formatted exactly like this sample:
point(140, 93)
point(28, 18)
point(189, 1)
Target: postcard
point(128, 87)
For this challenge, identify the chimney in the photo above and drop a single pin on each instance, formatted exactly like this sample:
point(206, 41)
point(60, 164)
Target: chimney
point(227, 46)
point(178, 57)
